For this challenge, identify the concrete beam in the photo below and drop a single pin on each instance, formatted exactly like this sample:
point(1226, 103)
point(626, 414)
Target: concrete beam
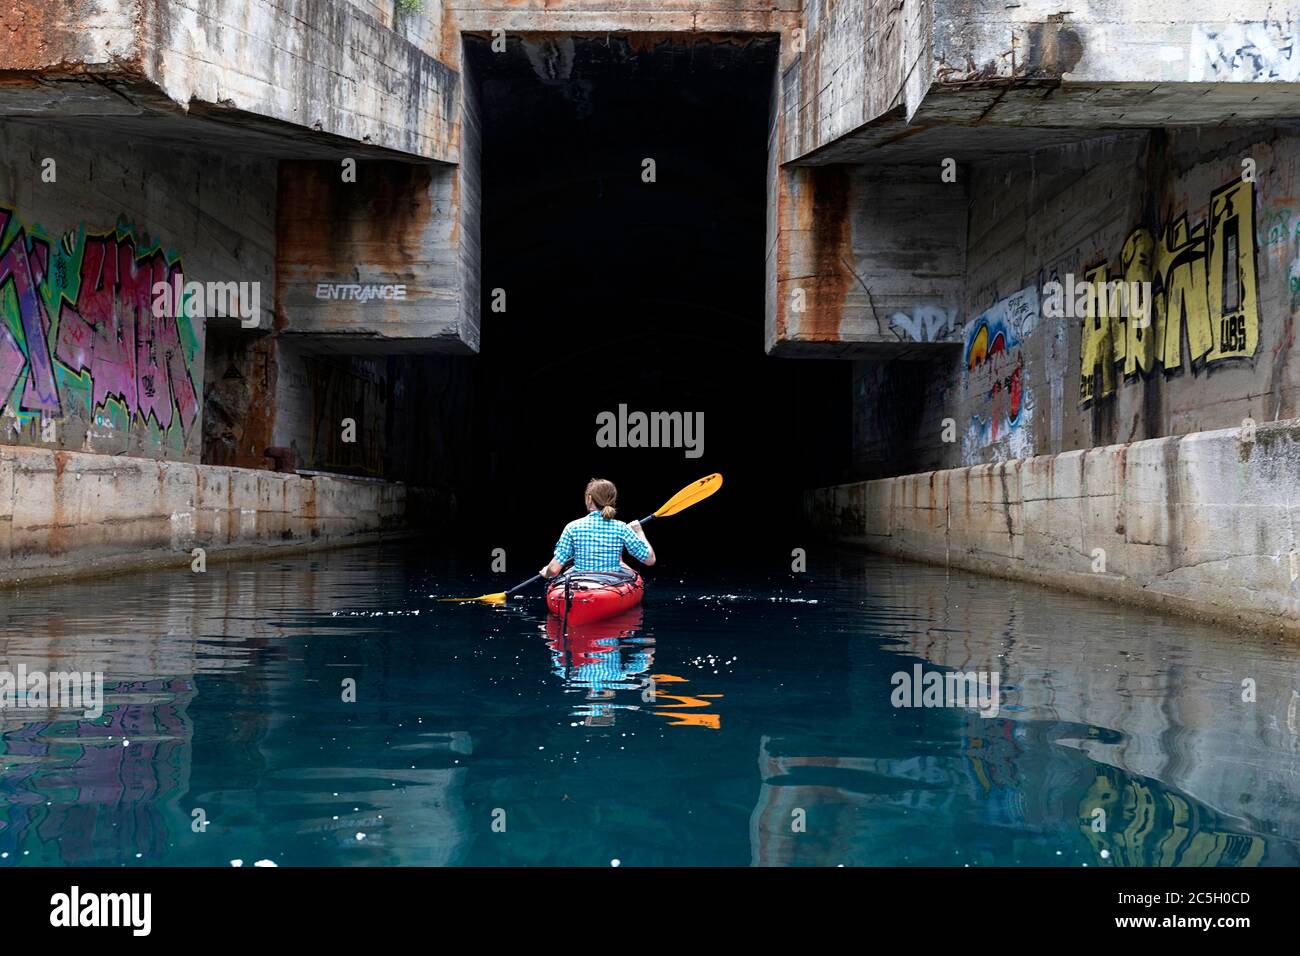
point(325, 66)
point(864, 262)
point(387, 263)
point(880, 81)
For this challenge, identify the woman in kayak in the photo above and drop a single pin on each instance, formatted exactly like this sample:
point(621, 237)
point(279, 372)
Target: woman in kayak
point(596, 542)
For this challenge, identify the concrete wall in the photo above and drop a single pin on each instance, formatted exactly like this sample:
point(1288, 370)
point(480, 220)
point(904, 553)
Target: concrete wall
point(1201, 524)
point(412, 414)
point(70, 513)
point(1170, 208)
point(84, 364)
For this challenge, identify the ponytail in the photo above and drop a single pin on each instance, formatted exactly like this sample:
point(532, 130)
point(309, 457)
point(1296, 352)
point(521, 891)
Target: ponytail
point(603, 495)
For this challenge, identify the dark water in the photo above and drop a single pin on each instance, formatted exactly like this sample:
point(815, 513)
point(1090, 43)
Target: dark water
point(734, 721)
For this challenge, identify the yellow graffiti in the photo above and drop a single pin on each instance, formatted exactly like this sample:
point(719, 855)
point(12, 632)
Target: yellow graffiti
point(1204, 285)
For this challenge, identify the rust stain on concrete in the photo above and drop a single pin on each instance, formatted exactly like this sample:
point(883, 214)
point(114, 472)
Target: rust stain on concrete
point(1054, 49)
point(34, 34)
point(822, 214)
point(58, 521)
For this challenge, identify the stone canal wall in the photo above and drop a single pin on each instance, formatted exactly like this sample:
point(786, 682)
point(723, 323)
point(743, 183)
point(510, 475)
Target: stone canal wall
point(1203, 524)
point(69, 513)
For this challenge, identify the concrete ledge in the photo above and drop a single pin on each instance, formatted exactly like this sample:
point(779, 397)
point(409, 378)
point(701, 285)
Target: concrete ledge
point(917, 82)
point(321, 65)
point(1203, 524)
point(68, 513)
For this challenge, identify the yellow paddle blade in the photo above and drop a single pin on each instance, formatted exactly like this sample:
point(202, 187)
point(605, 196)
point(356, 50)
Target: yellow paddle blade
point(692, 494)
point(498, 598)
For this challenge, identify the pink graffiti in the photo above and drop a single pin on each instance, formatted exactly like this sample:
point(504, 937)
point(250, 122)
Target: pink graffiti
point(132, 355)
point(26, 271)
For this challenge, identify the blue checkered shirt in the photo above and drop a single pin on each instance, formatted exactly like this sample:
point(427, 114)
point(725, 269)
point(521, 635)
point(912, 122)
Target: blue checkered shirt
point(596, 544)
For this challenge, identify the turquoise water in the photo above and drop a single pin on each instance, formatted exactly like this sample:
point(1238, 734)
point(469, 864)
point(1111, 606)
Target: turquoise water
point(736, 721)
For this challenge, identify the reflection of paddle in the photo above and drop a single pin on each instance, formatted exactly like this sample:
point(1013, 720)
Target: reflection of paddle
point(692, 494)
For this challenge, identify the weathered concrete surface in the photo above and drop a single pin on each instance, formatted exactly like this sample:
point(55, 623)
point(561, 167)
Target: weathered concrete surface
point(325, 66)
point(387, 262)
point(864, 261)
point(1204, 524)
point(1221, 254)
point(853, 70)
point(65, 513)
point(596, 17)
point(888, 82)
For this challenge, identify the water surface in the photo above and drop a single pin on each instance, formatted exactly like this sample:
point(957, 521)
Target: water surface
point(733, 720)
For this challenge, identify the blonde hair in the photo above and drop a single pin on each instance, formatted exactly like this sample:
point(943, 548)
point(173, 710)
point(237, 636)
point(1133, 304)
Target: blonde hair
point(603, 495)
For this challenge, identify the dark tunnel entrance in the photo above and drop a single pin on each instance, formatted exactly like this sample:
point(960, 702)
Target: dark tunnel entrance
point(648, 295)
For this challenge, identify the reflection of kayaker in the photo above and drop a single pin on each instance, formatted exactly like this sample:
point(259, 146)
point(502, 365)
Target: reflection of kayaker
point(581, 646)
point(599, 583)
point(599, 660)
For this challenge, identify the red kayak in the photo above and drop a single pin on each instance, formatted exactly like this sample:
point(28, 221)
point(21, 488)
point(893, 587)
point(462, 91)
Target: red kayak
point(582, 596)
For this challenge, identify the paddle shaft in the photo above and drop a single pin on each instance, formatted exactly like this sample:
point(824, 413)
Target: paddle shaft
point(520, 587)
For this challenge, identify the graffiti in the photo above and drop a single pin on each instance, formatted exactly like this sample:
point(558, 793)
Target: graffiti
point(1245, 52)
point(927, 323)
point(1275, 228)
point(1204, 283)
point(994, 380)
point(78, 337)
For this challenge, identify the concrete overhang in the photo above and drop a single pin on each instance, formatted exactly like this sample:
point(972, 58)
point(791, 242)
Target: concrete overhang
point(319, 74)
point(918, 82)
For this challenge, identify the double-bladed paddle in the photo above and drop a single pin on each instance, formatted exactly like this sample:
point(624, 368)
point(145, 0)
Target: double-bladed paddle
point(692, 494)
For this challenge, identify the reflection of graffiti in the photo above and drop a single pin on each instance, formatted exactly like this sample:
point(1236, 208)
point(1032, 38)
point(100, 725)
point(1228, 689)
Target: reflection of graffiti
point(1154, 826)
point(1204, 282)
point(1256, 51)
point(927, 323)
point(78, 336)
point(994, 376)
